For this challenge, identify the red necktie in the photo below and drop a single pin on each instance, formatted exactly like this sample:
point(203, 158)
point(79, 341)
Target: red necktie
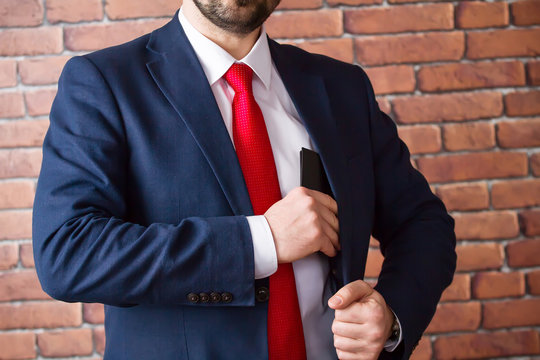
point(285, 334)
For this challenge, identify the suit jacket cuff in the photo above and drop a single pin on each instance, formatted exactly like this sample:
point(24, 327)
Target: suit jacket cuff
point(264, 249)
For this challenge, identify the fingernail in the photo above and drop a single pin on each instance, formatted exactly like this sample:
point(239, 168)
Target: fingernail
point(335, 301)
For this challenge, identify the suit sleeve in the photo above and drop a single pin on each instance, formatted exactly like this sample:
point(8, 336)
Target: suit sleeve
point(84, 249)
point(415, 232)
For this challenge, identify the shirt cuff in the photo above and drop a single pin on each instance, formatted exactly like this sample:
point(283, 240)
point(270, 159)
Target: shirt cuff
point(264, 249)
point(391, 345)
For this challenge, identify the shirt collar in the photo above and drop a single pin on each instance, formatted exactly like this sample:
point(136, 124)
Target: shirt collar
point(215, 61)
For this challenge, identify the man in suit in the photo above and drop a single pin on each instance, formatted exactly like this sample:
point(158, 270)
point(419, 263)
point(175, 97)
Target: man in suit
point(169, 191)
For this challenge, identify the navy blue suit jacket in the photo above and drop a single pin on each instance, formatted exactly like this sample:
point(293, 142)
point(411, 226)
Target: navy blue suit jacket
point(141, 200)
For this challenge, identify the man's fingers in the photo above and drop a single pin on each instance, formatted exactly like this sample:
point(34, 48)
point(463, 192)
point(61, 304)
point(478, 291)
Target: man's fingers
point(324, 199)
point(348, 329)
point(349, 293)
point(344, 343)
point(329, 217)
point(331, 235)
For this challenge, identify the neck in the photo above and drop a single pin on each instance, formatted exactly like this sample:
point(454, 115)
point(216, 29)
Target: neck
point(238, 45)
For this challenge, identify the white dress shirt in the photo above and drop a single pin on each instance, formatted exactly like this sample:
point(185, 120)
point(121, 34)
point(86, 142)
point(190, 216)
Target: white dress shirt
point(287, 136)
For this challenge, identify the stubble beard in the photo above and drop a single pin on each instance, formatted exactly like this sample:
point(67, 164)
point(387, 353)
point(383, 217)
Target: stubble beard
point(227, 19)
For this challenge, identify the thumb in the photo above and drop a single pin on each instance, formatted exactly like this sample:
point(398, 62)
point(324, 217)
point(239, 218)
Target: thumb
point(350, 293)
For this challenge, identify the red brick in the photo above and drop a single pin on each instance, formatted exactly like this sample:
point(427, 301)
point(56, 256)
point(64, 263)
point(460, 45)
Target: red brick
point(99, 339)
point(124, 9)
point(519, 133)
point(65, 343)
point(341, 49)
point(353, 2)
point(479, 14)
point(486, 225)
point(411, 1)
point(533, 72)
point(400, 19)
point(469, 136)
point(48, 314)
point(20, 285)
point(98, 36)
point(27, 255)
point(22, 133)
point(299, 4)
point(384, 104)
point(459, 289)
point(523, 253)
point(455, 317)
point(74, 11)
point(421, 139)
point(526, 12)
point(17, 346)
point(522, 103)
point(374, 263)
point(35, 41)
point(471, 75)
point(11, 105)
point(8, 73)
point(473, 196)
point(423, 351)
point(530, 222)
point(486, 345)
point(472, 166)
point(16, 194)
point(535, 164)
point(21, 13)
point(533, 282)
point(305, 24)
point(523, 312)
point(479, 257)
point(42, 71)
point(396, 49)
point(15, 225)
point(373, 242)
point(515, 193)
point(39, 102)
point(20, 163)
point(392, 79)
point(488, 285)
point(93, 313)
point(9, 256)
point(503, 43)
point(448, 107)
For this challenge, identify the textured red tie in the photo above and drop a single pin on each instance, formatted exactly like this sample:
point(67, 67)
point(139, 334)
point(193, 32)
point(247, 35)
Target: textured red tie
point(285, 334)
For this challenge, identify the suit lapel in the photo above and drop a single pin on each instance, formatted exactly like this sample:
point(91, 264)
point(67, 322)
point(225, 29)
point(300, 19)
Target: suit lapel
point(308, 93)
point(192, 98)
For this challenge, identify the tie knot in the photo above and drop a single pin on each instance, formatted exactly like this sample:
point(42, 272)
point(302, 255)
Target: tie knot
point(239, 77)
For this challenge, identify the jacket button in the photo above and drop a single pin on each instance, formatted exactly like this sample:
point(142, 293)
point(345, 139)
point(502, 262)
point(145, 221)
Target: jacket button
point(226, 297)
point(204, 297)
point(193, 298)
point(215, 297)
point(262, 294)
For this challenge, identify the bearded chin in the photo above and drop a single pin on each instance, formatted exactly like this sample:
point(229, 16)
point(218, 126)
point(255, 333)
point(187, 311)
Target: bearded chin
point(227, 19)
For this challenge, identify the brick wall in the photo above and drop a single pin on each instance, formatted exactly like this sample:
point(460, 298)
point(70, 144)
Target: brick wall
point(462, 80)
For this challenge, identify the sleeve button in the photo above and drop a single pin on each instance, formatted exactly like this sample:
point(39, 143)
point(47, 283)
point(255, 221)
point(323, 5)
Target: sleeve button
point(204, 297)
point(226, 297)
point(193, 298)
point(215, 297)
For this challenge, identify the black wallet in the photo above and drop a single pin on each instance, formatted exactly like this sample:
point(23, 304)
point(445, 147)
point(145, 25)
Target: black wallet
point(312, 174)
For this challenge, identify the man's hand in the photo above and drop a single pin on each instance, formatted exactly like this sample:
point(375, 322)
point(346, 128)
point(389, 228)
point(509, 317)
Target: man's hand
point(302, 223)
point(362, 321)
